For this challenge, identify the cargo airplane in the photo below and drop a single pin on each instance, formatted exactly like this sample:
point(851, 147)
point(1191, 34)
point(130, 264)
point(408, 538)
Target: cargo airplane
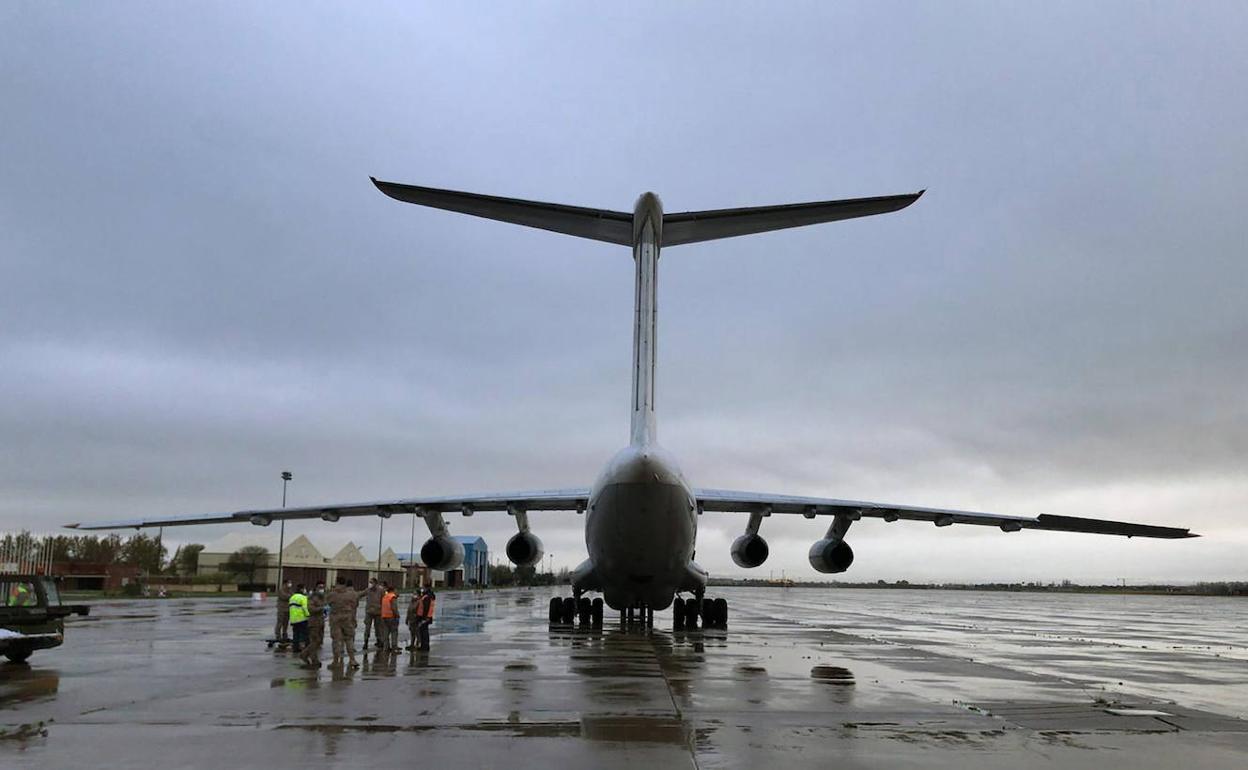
point(641, 514)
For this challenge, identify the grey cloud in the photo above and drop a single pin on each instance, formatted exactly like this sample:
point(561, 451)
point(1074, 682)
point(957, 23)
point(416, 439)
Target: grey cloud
point(199, 286)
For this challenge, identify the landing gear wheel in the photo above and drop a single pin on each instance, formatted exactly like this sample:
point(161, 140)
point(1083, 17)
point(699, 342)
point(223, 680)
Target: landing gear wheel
point(721, 612)
point(583, 610)
point(678, 613)
point(595, 611)
point(556, 610)
point(691, 613)
point(18, 656)
point(569, 610)
point(710, 614)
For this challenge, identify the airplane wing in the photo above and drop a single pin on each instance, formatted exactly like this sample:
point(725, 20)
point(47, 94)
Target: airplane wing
point(695, 226)
point(541, 500)
point(810, 507)
point(596, 224)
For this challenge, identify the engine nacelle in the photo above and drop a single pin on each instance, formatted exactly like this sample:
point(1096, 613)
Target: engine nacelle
point(749, 550)
point(524, 549)
point(831, 556)
point(442, 553)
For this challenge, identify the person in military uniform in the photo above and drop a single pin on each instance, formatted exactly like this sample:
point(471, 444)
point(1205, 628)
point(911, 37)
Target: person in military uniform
point(413, 621)
point(343, 602)
point(372, 612)
point(311, 655)
point(281, 630)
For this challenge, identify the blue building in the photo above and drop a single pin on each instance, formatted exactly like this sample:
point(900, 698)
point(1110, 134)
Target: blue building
point(476, 569)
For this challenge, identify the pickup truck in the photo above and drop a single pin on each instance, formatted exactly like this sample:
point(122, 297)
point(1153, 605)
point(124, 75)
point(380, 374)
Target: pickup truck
point(31, 615)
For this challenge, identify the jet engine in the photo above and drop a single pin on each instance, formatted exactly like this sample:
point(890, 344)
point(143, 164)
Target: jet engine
point(524, 549)
point(442, 553)
point(749, 550)
point(831, 556)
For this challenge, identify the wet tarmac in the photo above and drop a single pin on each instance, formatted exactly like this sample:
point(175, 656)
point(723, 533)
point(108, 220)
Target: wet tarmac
point(801, 678)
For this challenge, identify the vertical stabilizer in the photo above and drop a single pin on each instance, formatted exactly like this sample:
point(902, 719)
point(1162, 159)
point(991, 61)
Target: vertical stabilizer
point(647, 235)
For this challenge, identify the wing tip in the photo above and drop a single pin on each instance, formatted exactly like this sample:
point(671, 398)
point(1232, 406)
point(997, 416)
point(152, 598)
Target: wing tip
point(75, 525)
point(386, 188)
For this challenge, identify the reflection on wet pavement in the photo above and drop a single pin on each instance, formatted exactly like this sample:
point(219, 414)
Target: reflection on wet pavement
point(804, 677)
point(21, 683)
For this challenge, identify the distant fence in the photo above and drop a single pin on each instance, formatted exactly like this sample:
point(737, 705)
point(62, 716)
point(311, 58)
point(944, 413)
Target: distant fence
point(24, 553)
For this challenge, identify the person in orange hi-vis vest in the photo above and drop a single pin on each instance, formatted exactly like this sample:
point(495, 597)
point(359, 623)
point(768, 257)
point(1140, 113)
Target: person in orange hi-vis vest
point(424, 617)
point(389, 618)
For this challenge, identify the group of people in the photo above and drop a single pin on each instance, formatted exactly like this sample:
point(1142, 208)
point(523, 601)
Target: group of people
point(304, 615)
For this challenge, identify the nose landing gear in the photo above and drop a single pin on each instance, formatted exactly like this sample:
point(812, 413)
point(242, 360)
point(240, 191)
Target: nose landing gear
point(713, 612)
point(637, 615)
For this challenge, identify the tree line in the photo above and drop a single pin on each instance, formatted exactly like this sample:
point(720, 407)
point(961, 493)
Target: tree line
point(146, 552)
point(506, 575)
point(139, 550)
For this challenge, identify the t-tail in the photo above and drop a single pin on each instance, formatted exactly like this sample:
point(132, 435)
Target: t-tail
point(647, 229)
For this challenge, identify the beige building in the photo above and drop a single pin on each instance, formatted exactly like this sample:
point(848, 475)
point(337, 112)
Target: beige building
point(304, 563)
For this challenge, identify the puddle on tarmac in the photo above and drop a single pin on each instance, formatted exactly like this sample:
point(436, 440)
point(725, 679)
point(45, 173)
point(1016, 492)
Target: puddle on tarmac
point(23, 684)
point(834, 675)
point(639, 729)
point(618, 729)
point(295, 683)
point(517, 730)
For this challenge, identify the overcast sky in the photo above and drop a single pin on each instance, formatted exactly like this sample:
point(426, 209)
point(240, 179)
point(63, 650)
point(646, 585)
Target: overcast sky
point(199, 286)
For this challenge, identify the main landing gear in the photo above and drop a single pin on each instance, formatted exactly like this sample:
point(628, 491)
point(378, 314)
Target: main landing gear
point(685, 612)
point(568, 611)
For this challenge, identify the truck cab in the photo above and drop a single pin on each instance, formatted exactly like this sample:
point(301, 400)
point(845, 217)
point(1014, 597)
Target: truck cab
point(32, 616)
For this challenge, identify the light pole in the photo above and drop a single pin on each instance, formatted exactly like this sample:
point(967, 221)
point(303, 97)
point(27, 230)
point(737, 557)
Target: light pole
point(281, 537)
point(381, 526)
point(411, 552)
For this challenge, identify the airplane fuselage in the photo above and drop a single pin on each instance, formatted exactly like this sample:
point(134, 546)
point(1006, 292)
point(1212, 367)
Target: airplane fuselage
point(640, 530)
point(641, 523)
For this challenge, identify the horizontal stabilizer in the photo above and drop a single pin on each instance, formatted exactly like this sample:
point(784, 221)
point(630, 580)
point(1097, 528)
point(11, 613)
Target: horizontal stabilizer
point(695, 226)
point(596, 224)
point(1102, 527)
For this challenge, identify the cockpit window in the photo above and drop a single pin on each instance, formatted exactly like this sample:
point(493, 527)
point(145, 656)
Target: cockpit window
point(49, 588)
point(19, 593)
